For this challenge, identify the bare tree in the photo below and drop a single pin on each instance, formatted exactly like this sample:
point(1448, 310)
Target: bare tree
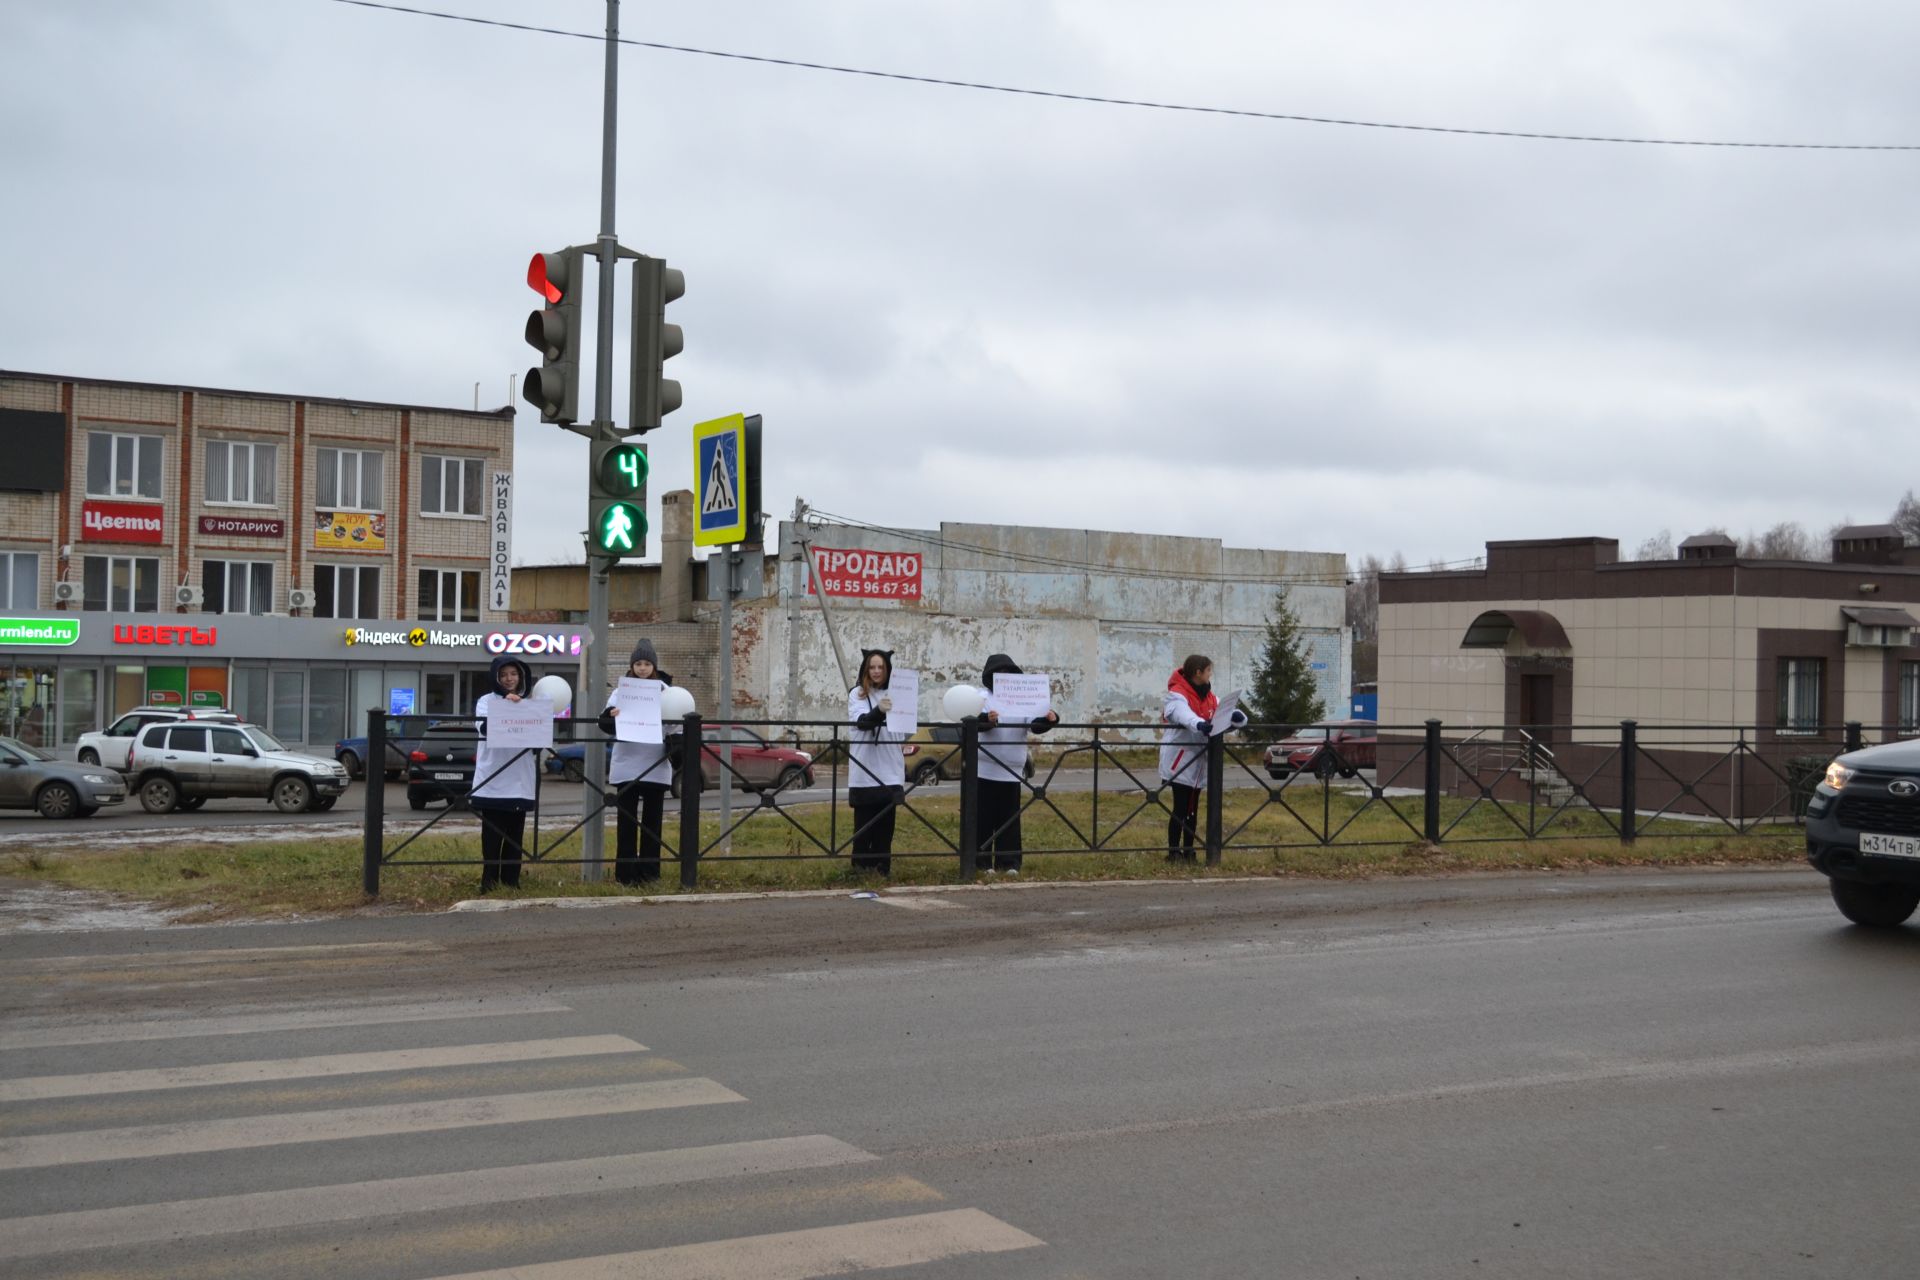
point(1906, 518)
point(1784, 541)
point(1658, 547)
point(1363, 613)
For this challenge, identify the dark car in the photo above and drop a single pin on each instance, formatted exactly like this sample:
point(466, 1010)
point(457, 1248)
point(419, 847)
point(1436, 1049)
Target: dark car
point(757, 762)
point(352, 752)
point(440, 766)
point(32, 779)
point(1863, 833)
point(1344, 747)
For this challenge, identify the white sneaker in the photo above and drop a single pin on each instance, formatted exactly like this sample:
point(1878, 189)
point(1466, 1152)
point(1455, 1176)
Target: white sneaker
point(1014, 872)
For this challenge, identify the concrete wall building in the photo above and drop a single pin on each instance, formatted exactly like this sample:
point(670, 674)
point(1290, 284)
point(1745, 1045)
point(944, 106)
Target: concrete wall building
point(132, 510)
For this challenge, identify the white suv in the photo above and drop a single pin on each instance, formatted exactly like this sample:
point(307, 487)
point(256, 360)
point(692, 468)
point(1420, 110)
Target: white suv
point(113, 745)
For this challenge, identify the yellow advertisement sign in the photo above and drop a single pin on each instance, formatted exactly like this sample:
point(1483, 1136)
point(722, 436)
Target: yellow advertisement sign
point(349, 531)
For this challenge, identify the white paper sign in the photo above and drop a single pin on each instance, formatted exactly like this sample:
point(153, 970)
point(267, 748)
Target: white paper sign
point(1223, 714)
point(636, 704)
point(1020, 698)
point(518, 725)
point(904, 689)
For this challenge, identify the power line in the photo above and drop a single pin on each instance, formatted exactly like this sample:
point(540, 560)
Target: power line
point(1098, 100)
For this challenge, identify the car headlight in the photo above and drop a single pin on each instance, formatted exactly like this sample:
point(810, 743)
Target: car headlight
point(1837, 776)
point(97, 779)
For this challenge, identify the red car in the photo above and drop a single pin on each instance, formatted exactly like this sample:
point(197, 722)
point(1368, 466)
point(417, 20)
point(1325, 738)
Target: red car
point(1329, 747)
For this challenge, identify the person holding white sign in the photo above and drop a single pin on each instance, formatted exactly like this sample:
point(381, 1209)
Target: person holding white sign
point(1015, 707)
point(504, 778)
point(1188, 713)
point(876, 763)
point(641, 766)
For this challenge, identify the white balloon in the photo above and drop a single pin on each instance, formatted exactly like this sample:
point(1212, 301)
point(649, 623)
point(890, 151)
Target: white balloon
point(556, 690)
point(963, 700)
point(675, 703)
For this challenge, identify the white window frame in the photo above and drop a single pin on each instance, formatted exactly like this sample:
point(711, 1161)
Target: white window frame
point(10, 589)
point(141, 443)
point(443, 467)
point(1793, 720)
point(249, 449)
point(336, 462)
point(334, 572)
point(442, 580)
point(246, 568)
point(133, 582)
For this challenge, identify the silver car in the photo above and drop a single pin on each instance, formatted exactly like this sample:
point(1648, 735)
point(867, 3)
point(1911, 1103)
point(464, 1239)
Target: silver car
point(32, 779)
point(187, 763)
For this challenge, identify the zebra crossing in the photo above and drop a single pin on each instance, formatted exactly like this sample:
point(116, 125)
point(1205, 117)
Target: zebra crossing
point(220, 1154)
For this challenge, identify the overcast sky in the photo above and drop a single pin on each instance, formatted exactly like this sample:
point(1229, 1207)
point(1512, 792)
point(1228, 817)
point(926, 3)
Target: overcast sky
point(962, 305)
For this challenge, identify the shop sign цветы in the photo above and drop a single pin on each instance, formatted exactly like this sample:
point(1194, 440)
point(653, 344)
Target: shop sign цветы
point(166, 635)
point(123, 522)
point(242, 527)
point(40, 631)
point(887, 575)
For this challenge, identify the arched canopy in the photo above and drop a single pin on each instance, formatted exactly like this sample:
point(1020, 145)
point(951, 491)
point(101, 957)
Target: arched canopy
point(1539, 629)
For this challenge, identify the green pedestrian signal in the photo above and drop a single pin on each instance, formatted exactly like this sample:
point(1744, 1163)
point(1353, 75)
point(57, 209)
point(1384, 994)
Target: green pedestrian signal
point(617, 500)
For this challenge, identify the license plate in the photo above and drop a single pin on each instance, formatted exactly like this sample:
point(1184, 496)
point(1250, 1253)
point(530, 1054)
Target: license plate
point(1890, 846)
point(448, 777)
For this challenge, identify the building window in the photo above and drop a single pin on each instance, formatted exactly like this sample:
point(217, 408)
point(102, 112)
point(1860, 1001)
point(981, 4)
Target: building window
point(449, 595)
point(346, 591)
point(349, 480)
point(121, 584)
point(450, 486)
point(236, 586)
point(1799, 685)
point(20, 581)
point(241, 473)
point(1910, 697)
point(121, 466)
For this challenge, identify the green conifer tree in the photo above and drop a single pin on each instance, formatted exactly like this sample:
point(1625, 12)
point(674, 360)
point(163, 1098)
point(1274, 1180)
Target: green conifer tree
point(1284, 691)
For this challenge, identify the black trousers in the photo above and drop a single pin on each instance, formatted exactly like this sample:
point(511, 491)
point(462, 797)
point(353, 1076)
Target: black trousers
point(873, 815)
point(639, 808)
point(1181, 826)
point(999, 825)
point(501, 834)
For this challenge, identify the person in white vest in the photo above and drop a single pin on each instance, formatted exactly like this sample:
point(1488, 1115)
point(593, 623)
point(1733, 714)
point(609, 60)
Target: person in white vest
point(1187, 712)
point(1003, 767)
point(876, 764)
point(642, 771)
point(504, 781)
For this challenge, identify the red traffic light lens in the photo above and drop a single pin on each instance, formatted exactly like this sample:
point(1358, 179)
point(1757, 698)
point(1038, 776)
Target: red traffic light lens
point(537, 279)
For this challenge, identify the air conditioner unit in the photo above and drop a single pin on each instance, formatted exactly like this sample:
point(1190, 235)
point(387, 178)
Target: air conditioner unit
point(186, 594)
point(66, 592)
point(299, 598)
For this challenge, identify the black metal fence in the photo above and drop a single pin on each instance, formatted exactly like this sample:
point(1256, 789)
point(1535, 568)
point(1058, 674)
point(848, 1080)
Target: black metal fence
point(1097, 789)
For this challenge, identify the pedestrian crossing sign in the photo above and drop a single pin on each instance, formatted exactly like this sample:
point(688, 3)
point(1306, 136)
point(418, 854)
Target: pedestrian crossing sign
point(720, 481)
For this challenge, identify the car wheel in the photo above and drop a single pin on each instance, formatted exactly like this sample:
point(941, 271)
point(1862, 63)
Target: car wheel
point(573, 770)
point(416, 802)
point(159, 795)
point(1349, 773)
point(1878, 906)
point(350, 762)
point(292, 795)
point(925, 773)
point(324, 803)
point(58, 800)
point(190, 803)
point(1324, 767)
point(791, 778)
point(89, 756)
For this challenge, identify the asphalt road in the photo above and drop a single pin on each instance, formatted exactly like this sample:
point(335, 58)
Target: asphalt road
point(1603, 1075)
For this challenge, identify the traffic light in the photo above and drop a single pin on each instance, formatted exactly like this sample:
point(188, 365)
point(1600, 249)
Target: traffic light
point(616, 504)
point(553, 386)
point(655, 284)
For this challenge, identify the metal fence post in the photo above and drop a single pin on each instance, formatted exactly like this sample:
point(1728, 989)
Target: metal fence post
point(1216, 784)
point(1629, 779)
point(1433, 782)
point(969, 796)
point(692, 765)
point(375, 776)
point(1855, 740)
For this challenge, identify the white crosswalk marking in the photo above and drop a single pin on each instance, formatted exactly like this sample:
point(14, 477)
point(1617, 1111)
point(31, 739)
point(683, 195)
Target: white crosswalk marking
point(57, 1036)
point(44, 1150)
point(794, 1255)
point(277, 1210)
point(34, 1088)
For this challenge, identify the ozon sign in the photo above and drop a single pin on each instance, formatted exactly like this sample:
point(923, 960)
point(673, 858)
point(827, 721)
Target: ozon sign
point(532, 642)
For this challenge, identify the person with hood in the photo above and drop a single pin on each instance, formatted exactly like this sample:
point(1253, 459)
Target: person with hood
point(1002, 769)
point(643, 772)
point(876, 764)
point(1187, 713)
point(504, 779)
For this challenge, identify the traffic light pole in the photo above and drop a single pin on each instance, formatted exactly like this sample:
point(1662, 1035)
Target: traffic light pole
point(593, 836)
